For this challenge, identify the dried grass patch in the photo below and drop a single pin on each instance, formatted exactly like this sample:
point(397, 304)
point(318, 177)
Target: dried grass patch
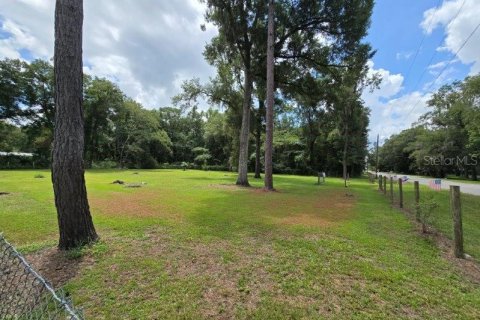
point(327, 210)
point(227, 283)
point(139, 204)
point(231, 187)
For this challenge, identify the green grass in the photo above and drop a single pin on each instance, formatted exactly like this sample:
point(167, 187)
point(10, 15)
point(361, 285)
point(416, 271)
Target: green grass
point(442, 217)
point(190, 245)
point(461, 179)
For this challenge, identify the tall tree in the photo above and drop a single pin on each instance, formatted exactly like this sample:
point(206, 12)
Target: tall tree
point(349, 105)
point(74, 219)
point(260, 114)
point(39, 96)
point(239, 22)
point(270, 98)
point(102, 100)
point(11, 85)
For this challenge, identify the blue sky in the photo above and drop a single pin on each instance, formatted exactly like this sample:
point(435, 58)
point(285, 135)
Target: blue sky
point(149, 53)
point(396, 34)
point(414, 41)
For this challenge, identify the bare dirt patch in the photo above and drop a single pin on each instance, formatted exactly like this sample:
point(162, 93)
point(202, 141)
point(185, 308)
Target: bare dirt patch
point(231, 187)
point(468, 267)
point(326, 210)
point(135, 204)
point(55, 266)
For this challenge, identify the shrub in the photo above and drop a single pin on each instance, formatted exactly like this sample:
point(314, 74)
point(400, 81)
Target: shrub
point(148, 162)
point(105, 164)
point(426, 208)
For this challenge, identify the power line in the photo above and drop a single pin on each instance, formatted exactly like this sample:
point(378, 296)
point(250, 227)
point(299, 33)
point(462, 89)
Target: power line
point(448, 64)
point(421, 42)
point(438, 45)
point(433, 56)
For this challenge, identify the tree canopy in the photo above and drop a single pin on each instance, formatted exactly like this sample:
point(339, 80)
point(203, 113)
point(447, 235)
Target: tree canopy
point(446, 138)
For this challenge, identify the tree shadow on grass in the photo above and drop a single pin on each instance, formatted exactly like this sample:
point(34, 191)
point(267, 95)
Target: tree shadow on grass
point(56, 266)
point(233, 211)
point(229, 214)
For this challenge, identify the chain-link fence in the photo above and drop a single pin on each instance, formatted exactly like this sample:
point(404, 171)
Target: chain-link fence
point(24, 294)
point(440, 215)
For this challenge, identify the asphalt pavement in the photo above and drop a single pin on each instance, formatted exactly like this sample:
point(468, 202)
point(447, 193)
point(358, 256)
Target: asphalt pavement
point(465, 187)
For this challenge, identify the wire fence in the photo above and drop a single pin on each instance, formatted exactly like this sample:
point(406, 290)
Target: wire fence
point(24, 294)
point(440, 219)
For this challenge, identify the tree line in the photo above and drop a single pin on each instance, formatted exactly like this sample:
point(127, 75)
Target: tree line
point(121, 133)
point(320, 120)
point(444, 141)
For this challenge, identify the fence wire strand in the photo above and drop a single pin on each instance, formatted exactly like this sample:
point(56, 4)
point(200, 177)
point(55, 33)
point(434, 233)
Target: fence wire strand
point(24, 294)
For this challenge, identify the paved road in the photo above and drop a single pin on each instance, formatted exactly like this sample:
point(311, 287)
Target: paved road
point(470, 188)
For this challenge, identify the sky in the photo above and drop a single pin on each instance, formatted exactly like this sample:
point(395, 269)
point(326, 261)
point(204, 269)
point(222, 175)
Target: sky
point(149, 47)
point(416, 43)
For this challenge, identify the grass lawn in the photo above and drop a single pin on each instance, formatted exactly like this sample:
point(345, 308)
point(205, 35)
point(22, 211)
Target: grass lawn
point(460, 179)
point(441, 218)
point(191, 245)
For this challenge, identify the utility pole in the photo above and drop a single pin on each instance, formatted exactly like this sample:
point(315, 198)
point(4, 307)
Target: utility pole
point(376, 165)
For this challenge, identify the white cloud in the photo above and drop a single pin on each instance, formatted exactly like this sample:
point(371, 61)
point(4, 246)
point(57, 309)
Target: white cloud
point(404, 55)
point(391, 85)
point(438, 65)
point(458, 29)
point(391, 112)
point(20, 37)
point(398, 114)
point(447, 75)
point(146, 47)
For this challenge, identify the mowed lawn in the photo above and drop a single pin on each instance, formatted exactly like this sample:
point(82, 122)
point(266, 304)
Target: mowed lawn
point(441, 218)
point(191, 245)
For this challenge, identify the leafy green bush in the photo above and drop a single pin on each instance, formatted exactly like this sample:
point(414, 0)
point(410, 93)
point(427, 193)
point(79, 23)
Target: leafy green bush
point(105, 164)
point(148, 162)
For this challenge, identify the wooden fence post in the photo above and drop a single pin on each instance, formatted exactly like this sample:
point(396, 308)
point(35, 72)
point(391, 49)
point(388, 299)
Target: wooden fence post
point(391, 189)
point(400, 190)
point(416, 186)
point(457, 221)
point(385, 185)
point(380, 178)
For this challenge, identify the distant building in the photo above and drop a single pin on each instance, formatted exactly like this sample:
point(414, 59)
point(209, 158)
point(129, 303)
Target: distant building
point(16, 154)
point(16, 160)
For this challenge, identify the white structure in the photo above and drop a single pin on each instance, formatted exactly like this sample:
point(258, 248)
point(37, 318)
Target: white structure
point(16, 154)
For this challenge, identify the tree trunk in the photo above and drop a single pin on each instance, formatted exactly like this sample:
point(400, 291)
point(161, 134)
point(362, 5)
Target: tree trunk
point(344, 158)
point(270, 100)
point(242, 179)
point(311, 148)
point(74, 219)
point(258, 141)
